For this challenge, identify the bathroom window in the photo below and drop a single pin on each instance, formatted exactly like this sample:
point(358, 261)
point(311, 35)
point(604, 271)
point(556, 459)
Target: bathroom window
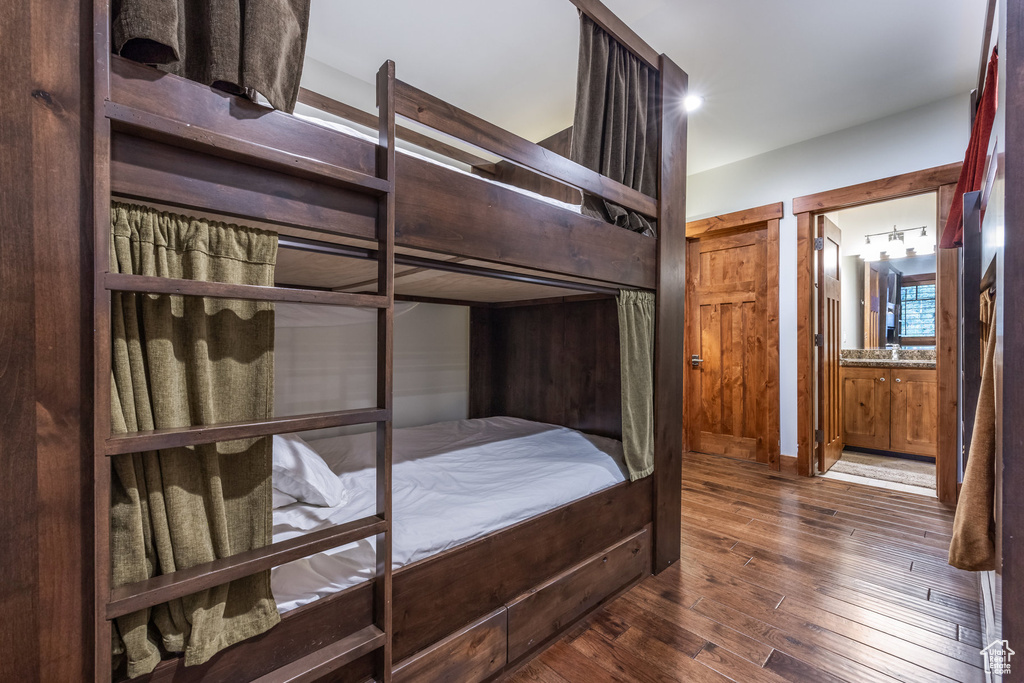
point(917, 312)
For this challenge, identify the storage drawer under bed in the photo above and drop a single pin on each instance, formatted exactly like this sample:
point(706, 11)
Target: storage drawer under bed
point(546, 610)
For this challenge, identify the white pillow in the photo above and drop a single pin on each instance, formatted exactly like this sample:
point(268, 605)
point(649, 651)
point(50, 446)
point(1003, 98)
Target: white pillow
point(300, 472)
point(282, 499)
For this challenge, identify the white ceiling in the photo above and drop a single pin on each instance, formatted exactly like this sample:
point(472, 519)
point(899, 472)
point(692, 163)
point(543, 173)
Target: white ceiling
point(772, 72)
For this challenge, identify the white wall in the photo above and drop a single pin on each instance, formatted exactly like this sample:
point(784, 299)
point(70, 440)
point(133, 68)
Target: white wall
point(325, 359)
point(932, 135)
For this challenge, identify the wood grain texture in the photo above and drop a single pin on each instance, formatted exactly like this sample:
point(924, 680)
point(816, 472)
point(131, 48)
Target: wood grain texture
point(45, 274)
point(545, 610)
point(947, 343)
point(786, 579)
point(1012, 512)
point(670, 321)
point(727, 300)
point(773, 370)
point(830, 394)
point(470, 655)
point(737, 219)
point(19, 542)
point(917, 182)
point(350, 113)
point(503, 225)
point(435, 113)
point(804, 343)
point(867, 407)
point(511, 174)
point(553, 363)
point(914, 425)
point(493, 570)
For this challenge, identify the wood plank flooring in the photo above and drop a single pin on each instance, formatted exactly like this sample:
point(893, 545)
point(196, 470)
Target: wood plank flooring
point(785, 578)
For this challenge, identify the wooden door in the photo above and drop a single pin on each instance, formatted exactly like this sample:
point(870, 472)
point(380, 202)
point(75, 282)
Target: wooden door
point(866, 414)
point(876, 295)
point(830, 395)
point(914, 425)
point(727, 331)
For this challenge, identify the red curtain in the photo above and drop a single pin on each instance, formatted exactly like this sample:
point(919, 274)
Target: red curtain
point(972, 174)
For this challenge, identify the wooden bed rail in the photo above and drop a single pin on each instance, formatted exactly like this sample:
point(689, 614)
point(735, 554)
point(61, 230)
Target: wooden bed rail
point(435, 113)
point(135, 596)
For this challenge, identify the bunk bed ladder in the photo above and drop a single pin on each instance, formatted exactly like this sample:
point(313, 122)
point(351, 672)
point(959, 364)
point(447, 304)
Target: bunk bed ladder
point(111, 603)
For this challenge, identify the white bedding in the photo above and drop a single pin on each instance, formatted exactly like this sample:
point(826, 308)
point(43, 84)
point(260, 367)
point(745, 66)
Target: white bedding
point(453, 482)
point(348, 130)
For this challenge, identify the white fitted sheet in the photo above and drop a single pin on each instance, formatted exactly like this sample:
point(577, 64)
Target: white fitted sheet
point(453, 482)
point(348, 130)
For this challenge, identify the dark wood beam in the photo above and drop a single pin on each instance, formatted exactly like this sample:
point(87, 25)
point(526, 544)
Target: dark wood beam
point(736, 219)
point(669, 369)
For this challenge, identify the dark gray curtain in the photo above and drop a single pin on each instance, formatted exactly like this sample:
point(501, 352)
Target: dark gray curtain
point(240, 46)
point(615, 130)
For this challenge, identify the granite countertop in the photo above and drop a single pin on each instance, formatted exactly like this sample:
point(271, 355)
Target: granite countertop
point(883, 358)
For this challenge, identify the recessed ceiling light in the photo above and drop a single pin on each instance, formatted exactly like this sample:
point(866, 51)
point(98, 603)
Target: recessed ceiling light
point(693, 102)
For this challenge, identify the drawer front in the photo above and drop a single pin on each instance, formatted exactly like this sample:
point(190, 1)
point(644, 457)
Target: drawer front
point(541, 613)
point(469, 655)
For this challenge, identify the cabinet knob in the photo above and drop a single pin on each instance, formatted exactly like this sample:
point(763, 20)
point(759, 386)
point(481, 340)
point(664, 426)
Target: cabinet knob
point(898, 379)
point(881, 379)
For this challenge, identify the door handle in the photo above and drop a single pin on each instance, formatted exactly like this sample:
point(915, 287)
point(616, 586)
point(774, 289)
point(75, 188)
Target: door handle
point(695, 361)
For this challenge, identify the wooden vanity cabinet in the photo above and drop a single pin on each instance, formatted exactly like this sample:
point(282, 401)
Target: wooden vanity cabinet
point(890, 409)
point(915, 405)
point(866, 409)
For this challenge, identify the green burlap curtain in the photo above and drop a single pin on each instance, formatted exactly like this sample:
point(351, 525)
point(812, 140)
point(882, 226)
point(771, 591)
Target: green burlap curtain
point(180, 361)
point(615, 129)
point(636, 354)
point(237, 46)
point(973, 546)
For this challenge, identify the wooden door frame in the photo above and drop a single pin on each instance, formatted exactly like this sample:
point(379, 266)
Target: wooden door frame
point(765, 217)
point(942, 180)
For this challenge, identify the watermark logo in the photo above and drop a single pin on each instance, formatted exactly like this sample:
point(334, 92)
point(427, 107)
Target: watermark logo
point(997, 657)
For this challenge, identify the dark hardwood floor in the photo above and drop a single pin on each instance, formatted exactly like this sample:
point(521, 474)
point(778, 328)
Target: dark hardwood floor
point(786, 579)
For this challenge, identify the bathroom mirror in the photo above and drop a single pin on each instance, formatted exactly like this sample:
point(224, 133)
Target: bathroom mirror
point(887, 273)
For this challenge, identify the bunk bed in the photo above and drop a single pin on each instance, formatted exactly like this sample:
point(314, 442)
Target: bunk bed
point(465, 606)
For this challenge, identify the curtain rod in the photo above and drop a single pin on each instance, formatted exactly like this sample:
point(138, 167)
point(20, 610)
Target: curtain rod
point(317, 246)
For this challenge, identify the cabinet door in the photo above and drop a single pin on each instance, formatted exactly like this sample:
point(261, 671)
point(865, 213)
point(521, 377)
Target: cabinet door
point(915, 395)
point(866, 407)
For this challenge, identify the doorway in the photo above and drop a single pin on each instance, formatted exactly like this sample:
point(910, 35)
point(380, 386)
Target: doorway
point(877, 381)
point(814, 382)
point(732, 343)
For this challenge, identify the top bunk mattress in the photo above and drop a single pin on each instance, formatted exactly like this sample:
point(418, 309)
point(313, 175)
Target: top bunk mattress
point(452, 482)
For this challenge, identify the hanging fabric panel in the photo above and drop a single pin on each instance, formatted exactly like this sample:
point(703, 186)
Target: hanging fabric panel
point(241, 47)
point(973, 546)
point(615, 127)
point(183, 361)
point(636, 353)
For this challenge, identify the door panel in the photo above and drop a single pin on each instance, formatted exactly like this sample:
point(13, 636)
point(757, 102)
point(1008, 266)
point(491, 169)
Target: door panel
point(727, 329)
point(830, 394)
point(914, 425)
point(866, 407)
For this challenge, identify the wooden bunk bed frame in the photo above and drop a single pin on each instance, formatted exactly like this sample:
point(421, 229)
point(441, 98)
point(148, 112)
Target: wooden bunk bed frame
point(162, 139)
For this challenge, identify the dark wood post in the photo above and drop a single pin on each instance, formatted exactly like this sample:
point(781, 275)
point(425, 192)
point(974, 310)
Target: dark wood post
point(670, 321)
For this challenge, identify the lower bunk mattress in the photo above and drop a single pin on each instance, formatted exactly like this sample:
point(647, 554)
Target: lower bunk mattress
point(453, 482)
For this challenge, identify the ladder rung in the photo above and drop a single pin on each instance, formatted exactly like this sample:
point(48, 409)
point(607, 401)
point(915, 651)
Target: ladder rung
point(325, 660)
point(146, 284)
point(153, 440)
point(142, 594)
